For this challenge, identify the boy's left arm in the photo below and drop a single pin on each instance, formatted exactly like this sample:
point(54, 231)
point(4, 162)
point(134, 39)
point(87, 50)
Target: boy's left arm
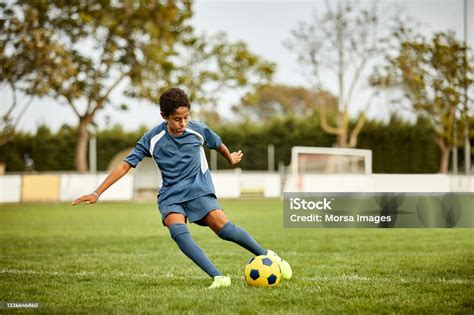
point(233, 158)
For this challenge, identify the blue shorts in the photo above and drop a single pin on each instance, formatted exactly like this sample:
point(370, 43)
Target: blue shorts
point(195, 210)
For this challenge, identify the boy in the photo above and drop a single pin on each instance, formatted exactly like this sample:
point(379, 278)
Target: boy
point(187, 192)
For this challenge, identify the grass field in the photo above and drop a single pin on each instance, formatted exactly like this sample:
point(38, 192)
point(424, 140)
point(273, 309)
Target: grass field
point(117, 258)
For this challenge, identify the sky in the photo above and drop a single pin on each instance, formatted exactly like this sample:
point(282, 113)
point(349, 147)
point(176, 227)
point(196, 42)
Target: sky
point(264, 26)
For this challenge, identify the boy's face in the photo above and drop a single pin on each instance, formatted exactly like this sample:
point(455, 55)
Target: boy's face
point(178, 121)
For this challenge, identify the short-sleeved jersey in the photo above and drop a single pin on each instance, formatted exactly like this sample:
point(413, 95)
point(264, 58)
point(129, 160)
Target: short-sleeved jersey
point(181, 160)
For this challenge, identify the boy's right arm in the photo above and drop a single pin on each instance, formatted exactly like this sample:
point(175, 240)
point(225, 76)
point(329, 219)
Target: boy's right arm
point(114, 176)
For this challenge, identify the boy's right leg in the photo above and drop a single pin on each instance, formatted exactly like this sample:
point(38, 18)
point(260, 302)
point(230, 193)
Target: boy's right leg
point(180, 234)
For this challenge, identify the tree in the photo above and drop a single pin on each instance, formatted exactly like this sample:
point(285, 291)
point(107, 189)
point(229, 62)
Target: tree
point(343, 42)
point(270, 101)
point(26, 54)
point(432, 75)
point(138, 47)
point(208, 65)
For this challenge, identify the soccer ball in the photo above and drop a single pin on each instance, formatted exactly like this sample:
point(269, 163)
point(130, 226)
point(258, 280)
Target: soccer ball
point(262, 271)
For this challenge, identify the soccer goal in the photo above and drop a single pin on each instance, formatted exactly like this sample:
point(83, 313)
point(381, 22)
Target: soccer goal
point(320, 160)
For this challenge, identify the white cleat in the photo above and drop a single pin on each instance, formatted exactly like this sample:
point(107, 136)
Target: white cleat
point(285, 267)
point(220, 282)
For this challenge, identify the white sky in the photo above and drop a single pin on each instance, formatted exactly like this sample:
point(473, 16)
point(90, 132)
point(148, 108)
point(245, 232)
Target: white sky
point(263, 25)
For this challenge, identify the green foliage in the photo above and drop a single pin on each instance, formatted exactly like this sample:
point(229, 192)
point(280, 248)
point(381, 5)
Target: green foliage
point(210, 65)
point(284, 133)
point(277, 100)
point(27, 55)
point(112, 141)
point(434, 76)
point(14, 151)
point(398, 146)
point(53, 152)
point(95, 47)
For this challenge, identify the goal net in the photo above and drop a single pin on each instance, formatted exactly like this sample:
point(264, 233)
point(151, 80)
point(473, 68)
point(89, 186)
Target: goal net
point(321, 160)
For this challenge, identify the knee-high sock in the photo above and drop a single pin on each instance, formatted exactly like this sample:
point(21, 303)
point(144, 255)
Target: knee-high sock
point(180, 234)
point(236, 234)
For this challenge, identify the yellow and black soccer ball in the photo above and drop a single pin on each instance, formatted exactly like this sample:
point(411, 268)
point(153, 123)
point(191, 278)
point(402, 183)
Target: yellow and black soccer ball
point(262, 271)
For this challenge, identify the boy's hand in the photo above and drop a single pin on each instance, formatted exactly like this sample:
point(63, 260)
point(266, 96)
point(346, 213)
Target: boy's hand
point(235, 157)
point(90, 198)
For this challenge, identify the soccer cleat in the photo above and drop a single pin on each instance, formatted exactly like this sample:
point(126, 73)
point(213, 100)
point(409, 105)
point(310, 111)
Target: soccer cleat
point(285, 267)
point(220, 282)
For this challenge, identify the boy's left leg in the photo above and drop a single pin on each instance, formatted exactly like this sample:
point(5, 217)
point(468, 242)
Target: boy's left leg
point(226, 230)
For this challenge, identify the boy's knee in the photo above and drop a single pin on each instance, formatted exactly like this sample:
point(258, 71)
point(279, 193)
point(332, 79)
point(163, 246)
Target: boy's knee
point(178, 229)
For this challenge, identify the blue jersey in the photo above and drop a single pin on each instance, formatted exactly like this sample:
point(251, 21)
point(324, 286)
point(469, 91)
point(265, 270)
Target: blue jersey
point(181, 160)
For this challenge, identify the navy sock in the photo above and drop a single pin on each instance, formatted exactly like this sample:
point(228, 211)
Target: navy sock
point(236, 234)
point(180, 234)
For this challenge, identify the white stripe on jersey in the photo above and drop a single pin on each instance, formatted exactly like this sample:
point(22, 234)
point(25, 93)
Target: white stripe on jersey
point(154, 140)
point(204, 165)
point(197, 134)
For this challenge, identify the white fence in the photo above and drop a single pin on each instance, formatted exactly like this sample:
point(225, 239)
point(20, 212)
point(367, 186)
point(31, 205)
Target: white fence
point(233, 184)
point(236, 184)
point(73, 186)
point(10, 188)
point(380, 183)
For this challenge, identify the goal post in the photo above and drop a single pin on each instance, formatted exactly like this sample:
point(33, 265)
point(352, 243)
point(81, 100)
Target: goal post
point(323, 160)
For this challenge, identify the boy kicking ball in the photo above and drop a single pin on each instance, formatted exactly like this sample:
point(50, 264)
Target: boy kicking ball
point(187, 192)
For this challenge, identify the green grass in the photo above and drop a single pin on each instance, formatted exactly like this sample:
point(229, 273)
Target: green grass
point(118, 258)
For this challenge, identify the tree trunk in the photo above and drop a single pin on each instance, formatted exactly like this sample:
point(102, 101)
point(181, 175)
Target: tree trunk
point(342, 137)
point(444, 162)
point(445, 152)
point(82, 140)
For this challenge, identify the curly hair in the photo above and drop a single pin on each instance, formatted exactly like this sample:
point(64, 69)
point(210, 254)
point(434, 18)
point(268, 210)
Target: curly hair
point(171, 99)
